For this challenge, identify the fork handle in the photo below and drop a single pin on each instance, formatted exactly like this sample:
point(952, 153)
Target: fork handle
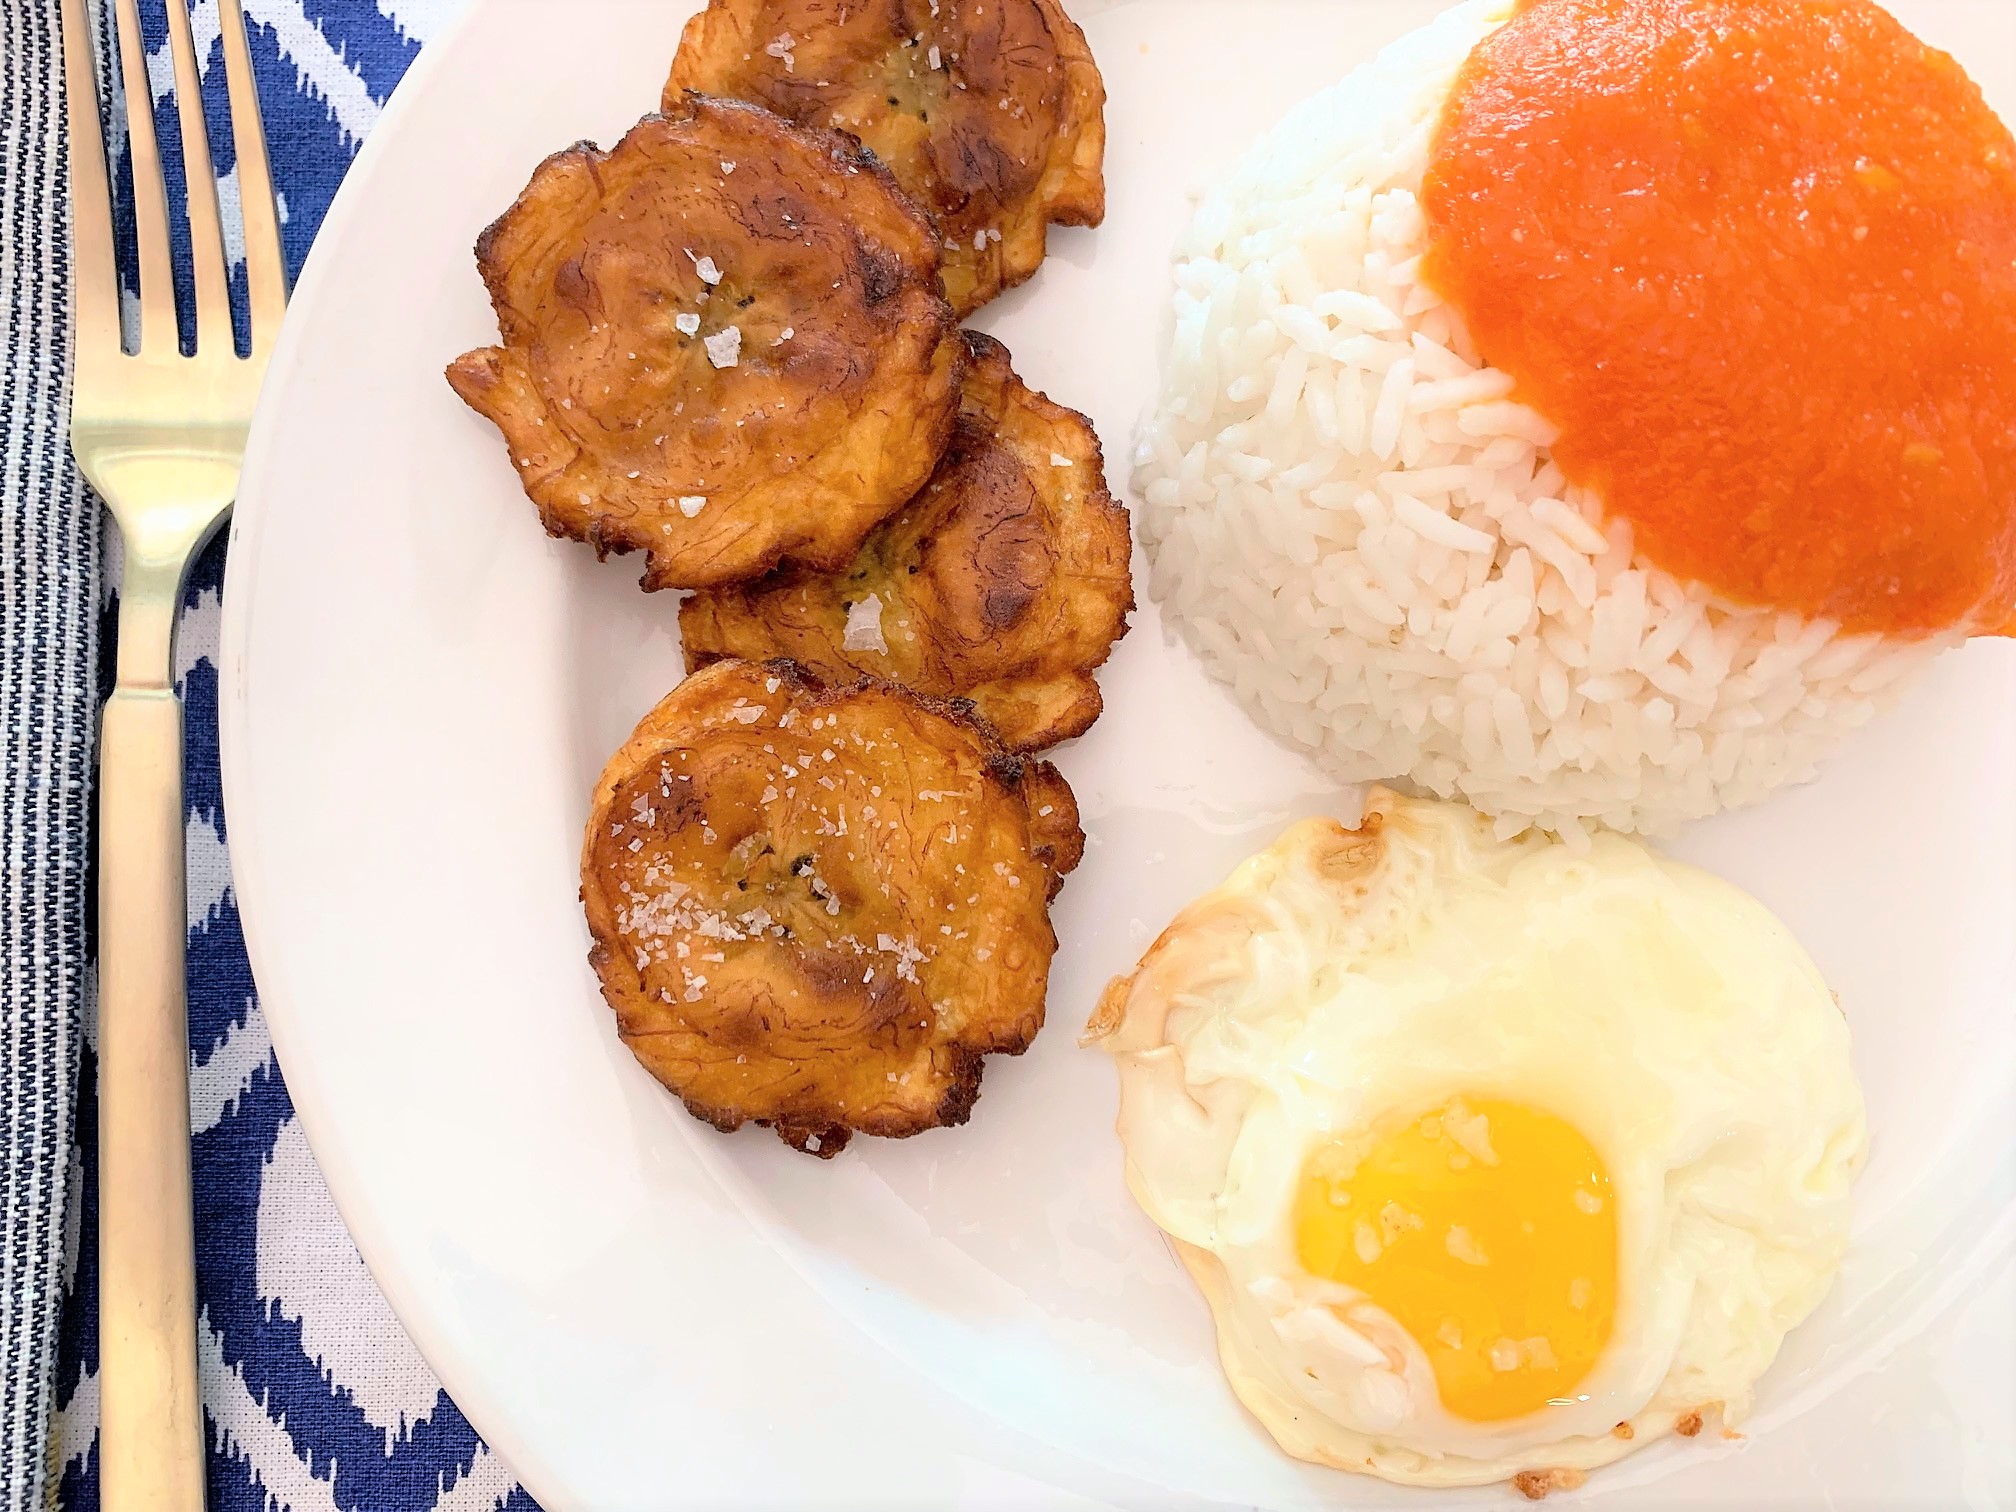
point(151, 1443)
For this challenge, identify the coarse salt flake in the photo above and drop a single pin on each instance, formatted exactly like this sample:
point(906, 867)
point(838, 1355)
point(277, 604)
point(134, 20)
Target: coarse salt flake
point(724, 347)
point(864, 626)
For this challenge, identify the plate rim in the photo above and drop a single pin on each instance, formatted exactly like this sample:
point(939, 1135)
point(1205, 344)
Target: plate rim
point(464, 1384)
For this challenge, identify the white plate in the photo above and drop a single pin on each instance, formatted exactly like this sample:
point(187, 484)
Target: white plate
point(639, 1312)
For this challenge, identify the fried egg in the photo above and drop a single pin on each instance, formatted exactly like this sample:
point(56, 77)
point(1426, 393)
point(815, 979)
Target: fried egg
point(1494, 1160)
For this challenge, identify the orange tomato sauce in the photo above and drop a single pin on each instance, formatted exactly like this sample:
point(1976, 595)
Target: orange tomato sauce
point(1757, 260)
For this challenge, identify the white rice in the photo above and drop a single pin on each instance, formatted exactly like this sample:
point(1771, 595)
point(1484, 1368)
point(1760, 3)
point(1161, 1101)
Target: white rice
point(1366, 537)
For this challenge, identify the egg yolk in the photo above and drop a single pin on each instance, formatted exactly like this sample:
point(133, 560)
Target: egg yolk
point(1487, 1230)
point(1756, 259)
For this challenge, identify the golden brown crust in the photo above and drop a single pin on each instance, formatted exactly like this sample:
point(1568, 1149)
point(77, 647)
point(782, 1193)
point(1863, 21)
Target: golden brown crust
point(991, 113)
point(1536, 1485)
point(1055, 832)
point(818, 909)
point(1006, 581)
point(1205, 937)
point(723, 344)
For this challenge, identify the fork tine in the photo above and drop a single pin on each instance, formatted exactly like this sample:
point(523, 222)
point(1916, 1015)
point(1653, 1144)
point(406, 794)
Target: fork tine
point(206, 232)
point(150, 190)
point(94, 266)
point(265, 262)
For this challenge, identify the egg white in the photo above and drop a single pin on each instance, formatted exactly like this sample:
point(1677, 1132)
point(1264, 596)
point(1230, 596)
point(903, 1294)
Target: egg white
point(1344, 976)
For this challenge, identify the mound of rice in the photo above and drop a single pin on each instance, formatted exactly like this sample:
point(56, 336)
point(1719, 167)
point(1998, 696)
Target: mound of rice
point(1365, 536)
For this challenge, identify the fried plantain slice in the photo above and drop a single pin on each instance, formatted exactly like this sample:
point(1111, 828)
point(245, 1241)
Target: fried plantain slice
point(723, 344)
point(1006, 581)
point(991, 113)
point(818, 909)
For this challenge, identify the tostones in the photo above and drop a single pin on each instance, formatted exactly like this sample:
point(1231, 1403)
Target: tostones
point(724, 344)
point(991, 113)
point(1006, 581)
point(818, 909)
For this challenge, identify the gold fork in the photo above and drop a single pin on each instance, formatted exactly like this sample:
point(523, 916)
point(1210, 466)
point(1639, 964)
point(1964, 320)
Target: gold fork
point(160, 436)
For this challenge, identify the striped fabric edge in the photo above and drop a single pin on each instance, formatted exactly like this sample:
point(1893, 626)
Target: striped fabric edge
point(49, 597)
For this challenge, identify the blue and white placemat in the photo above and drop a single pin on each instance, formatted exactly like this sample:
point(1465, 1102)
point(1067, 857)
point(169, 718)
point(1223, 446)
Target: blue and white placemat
point(49, 536)
point(314, 1399)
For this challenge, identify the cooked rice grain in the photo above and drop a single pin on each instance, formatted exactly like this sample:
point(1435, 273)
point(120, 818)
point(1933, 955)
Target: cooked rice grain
point(1364, 535)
